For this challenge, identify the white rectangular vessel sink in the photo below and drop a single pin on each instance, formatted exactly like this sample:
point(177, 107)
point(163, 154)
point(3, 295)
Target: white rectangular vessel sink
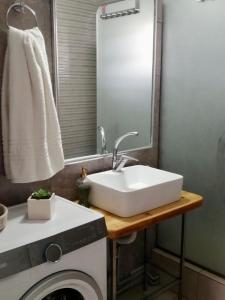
point(134, 190)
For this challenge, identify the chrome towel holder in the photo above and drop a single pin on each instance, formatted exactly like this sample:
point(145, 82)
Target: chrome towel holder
point(122, 13)
point(19, 6)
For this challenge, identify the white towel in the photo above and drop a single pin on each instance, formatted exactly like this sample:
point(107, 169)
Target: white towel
point(32, 143)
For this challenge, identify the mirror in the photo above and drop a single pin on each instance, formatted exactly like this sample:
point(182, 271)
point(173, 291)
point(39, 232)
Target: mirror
point(105, 73)
point(124, 71)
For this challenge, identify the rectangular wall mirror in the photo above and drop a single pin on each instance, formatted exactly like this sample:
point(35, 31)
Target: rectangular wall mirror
point(105, 71)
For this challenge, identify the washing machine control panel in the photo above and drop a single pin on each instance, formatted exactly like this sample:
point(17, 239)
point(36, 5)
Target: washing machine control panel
point(53, 253)
point(50, 249)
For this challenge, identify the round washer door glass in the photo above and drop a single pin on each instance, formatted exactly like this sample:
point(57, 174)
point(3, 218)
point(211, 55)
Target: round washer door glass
point(65, 285)
point(65, 294)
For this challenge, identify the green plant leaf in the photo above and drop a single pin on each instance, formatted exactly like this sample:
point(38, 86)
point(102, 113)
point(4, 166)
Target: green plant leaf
point(41, 194)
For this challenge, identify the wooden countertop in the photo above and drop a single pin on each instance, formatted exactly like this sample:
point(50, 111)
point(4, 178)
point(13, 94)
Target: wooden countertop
point(118, 227)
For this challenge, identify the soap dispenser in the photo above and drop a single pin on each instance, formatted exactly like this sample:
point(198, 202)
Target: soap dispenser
point(83, 189)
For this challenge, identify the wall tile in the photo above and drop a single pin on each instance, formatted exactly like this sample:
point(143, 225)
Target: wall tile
point(209, 289)
point(64, 182)
point(190, 284)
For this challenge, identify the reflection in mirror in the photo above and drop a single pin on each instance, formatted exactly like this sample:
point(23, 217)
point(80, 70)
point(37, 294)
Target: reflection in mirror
point(122, 99)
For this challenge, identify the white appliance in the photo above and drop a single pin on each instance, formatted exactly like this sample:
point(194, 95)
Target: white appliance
point(59, 259)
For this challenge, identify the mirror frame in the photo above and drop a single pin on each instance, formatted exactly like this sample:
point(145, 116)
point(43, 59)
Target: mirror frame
point(156, 81)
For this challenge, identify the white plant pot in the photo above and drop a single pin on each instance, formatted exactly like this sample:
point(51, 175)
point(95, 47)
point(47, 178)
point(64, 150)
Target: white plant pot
point(3, 216)
point(40, 209)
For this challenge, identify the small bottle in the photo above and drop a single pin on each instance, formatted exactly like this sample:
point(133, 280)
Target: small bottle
point(83, 189)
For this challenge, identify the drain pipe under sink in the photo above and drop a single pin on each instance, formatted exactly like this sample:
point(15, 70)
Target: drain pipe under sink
point(129, 239)
point(126, 240)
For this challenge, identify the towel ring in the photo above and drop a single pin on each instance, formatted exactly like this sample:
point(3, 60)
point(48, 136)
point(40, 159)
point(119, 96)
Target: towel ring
point(18, 6)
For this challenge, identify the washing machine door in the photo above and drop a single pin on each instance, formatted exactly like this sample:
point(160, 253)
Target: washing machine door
point(65, 285)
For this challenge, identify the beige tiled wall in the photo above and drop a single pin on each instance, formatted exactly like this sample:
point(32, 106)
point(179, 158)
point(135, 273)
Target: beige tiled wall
point(64, 182)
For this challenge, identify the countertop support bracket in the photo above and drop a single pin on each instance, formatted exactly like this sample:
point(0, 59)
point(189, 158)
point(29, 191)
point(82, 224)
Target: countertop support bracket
point(147, 291)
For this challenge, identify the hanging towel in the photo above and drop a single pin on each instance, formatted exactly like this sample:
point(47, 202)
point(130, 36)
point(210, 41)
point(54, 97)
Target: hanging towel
point(32, 145)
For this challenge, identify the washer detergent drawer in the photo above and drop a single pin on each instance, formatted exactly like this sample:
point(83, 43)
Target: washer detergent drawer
point(34, 254)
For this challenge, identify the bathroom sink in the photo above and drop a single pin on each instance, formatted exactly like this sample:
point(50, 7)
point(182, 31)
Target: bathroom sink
point(134, 189)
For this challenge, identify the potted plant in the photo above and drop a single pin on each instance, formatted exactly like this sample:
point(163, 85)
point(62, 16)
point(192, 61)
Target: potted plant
point(40, 205)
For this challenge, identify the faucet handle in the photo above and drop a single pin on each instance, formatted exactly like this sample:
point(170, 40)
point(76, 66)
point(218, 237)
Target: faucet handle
point(127, 157)
point(123, 160)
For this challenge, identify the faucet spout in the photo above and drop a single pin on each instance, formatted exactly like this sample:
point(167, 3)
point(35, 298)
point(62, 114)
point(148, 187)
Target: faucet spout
point(122, 137)
point(115, 160)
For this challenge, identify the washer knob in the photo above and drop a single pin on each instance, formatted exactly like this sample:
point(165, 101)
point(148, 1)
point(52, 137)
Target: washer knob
point(53, 253)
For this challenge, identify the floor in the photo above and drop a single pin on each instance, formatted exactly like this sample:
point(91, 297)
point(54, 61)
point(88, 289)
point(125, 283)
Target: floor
point(135, 294)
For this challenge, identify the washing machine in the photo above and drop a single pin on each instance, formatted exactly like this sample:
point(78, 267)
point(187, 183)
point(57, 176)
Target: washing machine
point(59, 259)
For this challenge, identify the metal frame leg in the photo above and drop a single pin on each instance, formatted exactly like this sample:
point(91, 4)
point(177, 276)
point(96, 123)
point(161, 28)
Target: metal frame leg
point(114, 269)
point(114, 260)
point(145, 283)
point(182, 257)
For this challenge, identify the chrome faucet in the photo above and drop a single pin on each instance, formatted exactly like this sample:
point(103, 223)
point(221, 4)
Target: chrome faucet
point(119, 162)
point(103, 140)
